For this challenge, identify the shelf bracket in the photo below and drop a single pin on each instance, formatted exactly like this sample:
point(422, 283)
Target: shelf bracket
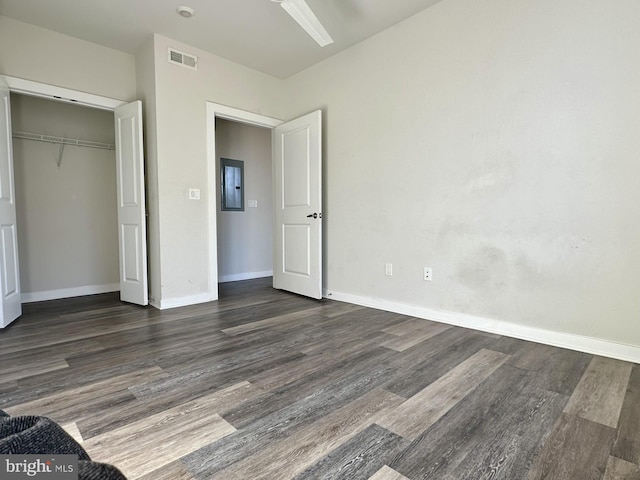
point(60, 154)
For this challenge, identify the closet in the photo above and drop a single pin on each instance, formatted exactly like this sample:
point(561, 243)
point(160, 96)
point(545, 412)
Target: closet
point(65, 186)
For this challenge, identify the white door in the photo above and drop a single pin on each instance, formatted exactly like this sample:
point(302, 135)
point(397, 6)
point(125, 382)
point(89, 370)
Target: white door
point(297, 259)
point(10, 303)
point(132, 231)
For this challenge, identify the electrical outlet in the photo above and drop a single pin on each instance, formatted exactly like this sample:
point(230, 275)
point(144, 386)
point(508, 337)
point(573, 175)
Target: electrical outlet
point(428, 274)
point(194, 194)
point(388, 269)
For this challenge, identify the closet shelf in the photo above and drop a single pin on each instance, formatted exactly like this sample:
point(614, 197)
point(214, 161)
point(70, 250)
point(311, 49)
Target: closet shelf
point(63, 141)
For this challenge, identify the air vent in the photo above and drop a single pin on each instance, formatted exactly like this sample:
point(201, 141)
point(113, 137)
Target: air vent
point(184, 59)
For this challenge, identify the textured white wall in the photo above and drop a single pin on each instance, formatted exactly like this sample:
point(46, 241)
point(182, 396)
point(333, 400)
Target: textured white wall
point(66, 216)
point(41, 55)
point(245, 238)
point(496, 142)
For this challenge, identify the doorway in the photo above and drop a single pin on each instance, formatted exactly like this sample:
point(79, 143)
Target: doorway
point(245, 232)
point(297, 193)
point(216, 113)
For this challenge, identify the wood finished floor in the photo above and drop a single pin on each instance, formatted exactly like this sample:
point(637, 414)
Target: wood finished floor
point(268, 385)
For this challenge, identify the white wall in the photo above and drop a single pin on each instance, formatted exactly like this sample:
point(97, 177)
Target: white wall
point(496, 142)
point(181, 161)
point(66, 216)
point(41, 55)
point(245, 238)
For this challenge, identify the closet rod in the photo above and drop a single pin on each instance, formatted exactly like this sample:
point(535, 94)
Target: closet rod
point(63, 141)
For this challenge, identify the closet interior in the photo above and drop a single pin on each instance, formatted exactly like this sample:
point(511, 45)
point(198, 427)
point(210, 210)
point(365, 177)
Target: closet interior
point(65, 185)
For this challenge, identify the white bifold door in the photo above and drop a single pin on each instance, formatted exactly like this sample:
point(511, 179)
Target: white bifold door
point(297, 261)
point(11, 305)
point(132, 235)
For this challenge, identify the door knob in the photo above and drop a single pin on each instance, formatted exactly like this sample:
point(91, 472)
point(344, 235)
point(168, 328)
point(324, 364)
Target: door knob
point(314, 215)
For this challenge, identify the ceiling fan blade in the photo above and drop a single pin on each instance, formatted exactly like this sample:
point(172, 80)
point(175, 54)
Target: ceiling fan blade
point(302, 14)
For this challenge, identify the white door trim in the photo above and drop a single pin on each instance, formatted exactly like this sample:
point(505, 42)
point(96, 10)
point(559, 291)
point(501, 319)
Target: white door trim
point(52, 92)
point(228, 113)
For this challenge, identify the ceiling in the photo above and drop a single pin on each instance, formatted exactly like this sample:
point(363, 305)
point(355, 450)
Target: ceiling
point(256, 33)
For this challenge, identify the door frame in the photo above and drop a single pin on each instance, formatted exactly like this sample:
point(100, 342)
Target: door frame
point(215, 110)
point(52, 92)
point(64, 95)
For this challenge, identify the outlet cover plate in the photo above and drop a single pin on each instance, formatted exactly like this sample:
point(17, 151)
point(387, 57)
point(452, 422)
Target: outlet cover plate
point(428, 276)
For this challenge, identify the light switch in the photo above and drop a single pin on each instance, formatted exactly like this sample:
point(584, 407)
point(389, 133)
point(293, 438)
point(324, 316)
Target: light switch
point(253, 203)
point(194, 194)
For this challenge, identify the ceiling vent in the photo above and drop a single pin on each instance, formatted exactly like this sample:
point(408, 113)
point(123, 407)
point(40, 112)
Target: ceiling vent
point(180, 58)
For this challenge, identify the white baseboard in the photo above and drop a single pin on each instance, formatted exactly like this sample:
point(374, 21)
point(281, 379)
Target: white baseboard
point(167, 303)
point(595, 346)
point(244, 276)
point(154, 302)
point(30, 297)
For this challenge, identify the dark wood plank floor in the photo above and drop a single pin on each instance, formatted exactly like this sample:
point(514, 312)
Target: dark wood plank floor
point(268, 385)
